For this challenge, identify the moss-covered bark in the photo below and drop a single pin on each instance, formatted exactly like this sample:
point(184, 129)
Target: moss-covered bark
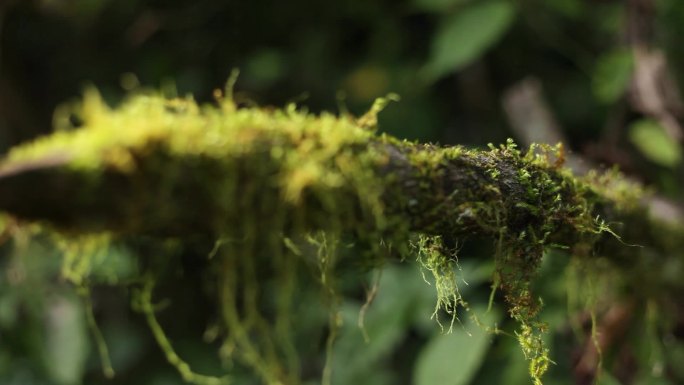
point(265, 180)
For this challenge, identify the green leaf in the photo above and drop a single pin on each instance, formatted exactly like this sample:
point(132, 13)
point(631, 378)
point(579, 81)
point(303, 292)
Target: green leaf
point(612, 75)
point(436, 5)
point(654, 143)
point(112, 265)
point(466, 35)
point(66, 345)
point(453, 359)
point(265, 67)
point(569, 8)
point(386, 323)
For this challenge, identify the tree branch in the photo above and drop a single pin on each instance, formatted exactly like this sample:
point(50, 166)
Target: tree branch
point(156, 178)
point(260, 178)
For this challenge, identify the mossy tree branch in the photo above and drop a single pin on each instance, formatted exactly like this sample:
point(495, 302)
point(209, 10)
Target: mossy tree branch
point(448, 191)
point(171, 168)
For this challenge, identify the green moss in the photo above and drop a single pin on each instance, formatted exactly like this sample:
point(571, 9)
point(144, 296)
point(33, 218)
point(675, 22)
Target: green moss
point(279, 189)
point(440, 262)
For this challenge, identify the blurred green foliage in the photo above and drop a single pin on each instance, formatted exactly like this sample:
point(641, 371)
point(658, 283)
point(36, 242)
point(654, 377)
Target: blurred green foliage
point(652, 141)
point(450, 60)
point(466, 35)
point(612, 75)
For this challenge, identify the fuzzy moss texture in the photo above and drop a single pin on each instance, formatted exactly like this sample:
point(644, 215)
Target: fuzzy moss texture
point(282, 188)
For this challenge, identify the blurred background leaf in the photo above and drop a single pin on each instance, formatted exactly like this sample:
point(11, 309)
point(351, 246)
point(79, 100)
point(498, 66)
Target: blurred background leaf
point(454, 358)
point(437, 5)
point(612, 75)
point(650, 138)
point(467, 34)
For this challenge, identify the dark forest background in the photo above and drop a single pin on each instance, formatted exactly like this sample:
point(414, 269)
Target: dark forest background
point(603, 76)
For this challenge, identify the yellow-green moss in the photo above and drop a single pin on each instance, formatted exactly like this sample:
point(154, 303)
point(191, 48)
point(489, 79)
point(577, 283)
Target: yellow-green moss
point(283, 186)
